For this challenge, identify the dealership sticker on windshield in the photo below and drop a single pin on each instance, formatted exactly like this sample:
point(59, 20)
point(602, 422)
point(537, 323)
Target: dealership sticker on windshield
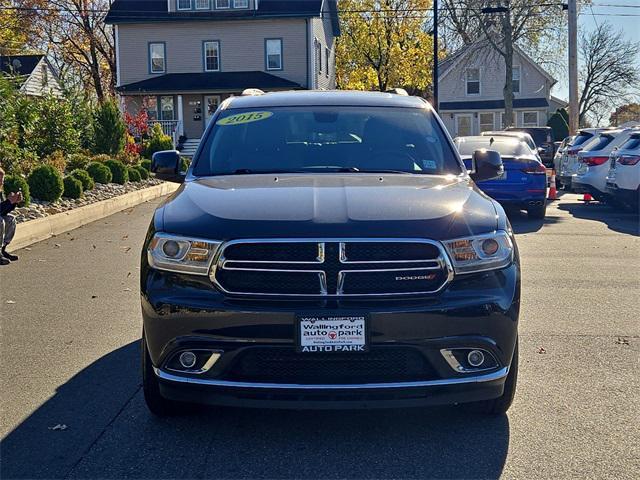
point(247, 117)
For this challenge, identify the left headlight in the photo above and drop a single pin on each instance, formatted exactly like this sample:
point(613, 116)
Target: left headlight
point(481, 252)
point(180, 254)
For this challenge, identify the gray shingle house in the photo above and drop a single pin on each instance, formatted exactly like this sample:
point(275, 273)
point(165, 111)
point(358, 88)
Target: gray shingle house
point(471, 98)
point(180, 58)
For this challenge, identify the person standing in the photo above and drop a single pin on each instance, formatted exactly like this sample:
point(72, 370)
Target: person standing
point(7, 221)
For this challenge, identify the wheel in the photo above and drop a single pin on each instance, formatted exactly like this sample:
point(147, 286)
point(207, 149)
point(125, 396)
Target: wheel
point(500, 405)
point(538, 212)
point(157, 404)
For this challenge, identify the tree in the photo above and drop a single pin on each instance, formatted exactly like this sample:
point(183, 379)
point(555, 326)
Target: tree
point(625, 113)
point(384, 44)
point(609, 73)
point(18, 28)
point(110, 129)
point(559, 126)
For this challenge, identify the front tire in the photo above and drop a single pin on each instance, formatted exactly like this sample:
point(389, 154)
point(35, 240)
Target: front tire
point(538, 212)
point(500, 405)
point(156, 403)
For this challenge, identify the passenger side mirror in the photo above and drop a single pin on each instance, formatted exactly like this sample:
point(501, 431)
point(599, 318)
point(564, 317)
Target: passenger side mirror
point(166, 165)
point(485, 165)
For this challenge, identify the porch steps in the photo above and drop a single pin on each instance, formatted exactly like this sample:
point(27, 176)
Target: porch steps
point(190, 146)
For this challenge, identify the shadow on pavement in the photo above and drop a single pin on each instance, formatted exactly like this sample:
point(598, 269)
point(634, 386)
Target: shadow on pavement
point(522, 223)
point(110, 434)
point(616, 219)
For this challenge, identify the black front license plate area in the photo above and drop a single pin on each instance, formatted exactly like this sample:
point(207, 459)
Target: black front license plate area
point(331, 333)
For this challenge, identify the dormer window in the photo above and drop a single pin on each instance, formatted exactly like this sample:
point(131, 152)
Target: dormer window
point(222, 4)
point(184, 4)
point(472, 77)
point(202, 5)
point(240, 3)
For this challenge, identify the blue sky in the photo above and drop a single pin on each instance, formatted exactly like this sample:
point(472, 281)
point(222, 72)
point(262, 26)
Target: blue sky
point(604, 12)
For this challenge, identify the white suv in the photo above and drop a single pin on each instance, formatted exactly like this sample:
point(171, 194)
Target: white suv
point(568, 163)
point(623, 178)
point(594, 162)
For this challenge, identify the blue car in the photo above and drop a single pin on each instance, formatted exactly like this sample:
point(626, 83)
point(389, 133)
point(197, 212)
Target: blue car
point(523, 184)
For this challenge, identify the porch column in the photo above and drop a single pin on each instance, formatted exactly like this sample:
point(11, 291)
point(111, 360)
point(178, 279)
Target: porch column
point(180, 129)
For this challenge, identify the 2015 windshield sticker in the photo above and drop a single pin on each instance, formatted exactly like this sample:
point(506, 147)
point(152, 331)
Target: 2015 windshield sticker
point(247, 117)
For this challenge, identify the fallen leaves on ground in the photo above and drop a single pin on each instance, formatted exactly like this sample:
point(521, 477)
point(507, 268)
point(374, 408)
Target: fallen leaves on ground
point(10, 302)
point(622, 341)
point(541, 350)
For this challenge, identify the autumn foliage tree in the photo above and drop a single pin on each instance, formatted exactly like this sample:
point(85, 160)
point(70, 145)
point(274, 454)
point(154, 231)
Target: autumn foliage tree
point(384, 44)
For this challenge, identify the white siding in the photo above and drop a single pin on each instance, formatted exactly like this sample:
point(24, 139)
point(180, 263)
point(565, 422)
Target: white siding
point(322, 31)
point(34, 86)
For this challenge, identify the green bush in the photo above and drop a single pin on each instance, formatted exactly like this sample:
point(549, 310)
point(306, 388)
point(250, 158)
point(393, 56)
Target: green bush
point(558, 126)
point(99, 172)
point(146, 164)
point(85, 179)
point(45, 183)
point(16, 160)
point(134, 174)
point(119, 173)
point(15, 183)
point(54, 129)
point(72, 187)
point(157, 142)
point(109, 129)
point(56, 160)
point(184, 164)
point(103, 157)
point(76, 161)
point(144, 173)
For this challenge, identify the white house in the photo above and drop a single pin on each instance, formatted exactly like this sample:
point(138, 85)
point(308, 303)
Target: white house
point(33, 75)
point(471, 98)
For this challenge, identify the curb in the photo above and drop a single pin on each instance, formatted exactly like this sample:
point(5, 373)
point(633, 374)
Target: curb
point(43, 228)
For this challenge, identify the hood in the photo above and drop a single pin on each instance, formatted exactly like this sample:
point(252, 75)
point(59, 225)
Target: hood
point(328, 206)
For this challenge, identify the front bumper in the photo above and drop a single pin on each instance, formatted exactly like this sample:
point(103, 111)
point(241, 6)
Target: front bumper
point(479, 310)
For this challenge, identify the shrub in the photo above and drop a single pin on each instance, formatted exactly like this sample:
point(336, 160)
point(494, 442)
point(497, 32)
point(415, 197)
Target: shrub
point(72, 187)
point(109, 129)
point(53, 130)
point(15, 183)
point(128, 158)
point(134, 174)
point(184, 164)
point(85, 179)
point(45, 183)
point(99, 172)
point(157, 142)
point(119, 172)
point(558, 126)
point(146, 164)
point(144, 173)
point(16, 160)
point(101, 158)
point(76, 161)
point(56, 160)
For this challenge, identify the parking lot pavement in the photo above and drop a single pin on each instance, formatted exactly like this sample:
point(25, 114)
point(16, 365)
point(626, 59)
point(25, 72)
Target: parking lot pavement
point(72, 405)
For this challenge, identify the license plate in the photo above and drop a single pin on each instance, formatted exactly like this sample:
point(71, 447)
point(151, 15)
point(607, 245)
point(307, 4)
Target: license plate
point(331, 333)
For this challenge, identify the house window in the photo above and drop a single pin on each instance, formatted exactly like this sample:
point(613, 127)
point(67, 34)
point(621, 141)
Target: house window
point(150, 104)
point(223, 4)
point(463, 125)
point(166, 106)
point(529, 119)
point(184, 4)
point(212, 56)
point(202, 4)
point(472, 77)
point(327, 56)
point(318, 57)
point(515, 79)
point(45, 75)
point(513, 120)
point(157, 58)
point(486, 121)
point(273, 47)
point(240, 3)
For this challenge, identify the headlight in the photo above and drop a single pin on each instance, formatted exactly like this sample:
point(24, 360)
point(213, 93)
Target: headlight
point(481, 252)
point(180, 254)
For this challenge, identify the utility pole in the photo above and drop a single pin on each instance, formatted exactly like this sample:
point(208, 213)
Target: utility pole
point(573, 67)
point(435, 55)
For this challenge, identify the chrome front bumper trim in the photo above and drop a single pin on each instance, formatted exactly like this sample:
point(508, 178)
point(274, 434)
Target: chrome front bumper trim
point(489, 377)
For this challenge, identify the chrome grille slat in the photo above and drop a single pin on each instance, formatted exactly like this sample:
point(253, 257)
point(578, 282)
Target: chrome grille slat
point(337, 274)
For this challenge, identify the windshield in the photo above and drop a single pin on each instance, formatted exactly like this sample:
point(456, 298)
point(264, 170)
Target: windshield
point(539, 135)
point(507, 147)
point(325, 139)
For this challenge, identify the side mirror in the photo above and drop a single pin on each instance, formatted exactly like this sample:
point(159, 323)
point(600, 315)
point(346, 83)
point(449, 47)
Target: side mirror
point(485, 165)
point(541, 150)
point(166, 166)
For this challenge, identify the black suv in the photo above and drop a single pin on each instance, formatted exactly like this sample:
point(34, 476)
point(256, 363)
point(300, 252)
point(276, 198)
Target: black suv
point(543, 138)
point(329, 250)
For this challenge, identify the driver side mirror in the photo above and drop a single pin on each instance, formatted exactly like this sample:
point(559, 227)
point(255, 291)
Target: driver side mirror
point(485, 165)
point(166, 165)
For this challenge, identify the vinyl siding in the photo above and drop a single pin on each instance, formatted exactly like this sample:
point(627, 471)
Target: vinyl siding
point(322, 31)
point(242, 47)
point(449, 119)
point(33, 86)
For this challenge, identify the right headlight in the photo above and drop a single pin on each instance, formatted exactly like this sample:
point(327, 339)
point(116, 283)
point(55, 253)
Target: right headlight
point(480, 252)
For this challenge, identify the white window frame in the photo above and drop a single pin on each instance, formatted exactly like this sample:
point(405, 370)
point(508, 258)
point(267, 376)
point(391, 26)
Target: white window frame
point(463, 115)
point(480, 123)
point(218, 7)
point(204, 55)
point(514, 122)
point(200, 6)
point(525, 124)
point(519, 79)
point(164, 57)
point(184, 8)
point(466, 82)
point(266, 53)
point(237, 4)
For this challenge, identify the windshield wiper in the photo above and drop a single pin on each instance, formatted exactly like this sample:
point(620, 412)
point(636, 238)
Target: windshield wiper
point(334, 168)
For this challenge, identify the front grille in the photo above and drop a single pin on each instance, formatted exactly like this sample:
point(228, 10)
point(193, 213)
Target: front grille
point(284, 365)
point(355, 267)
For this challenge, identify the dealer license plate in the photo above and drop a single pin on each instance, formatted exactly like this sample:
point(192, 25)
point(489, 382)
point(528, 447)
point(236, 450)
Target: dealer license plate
point(332, 333)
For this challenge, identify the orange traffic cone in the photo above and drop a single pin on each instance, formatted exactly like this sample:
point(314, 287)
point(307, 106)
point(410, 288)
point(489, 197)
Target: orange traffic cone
point(553, 192)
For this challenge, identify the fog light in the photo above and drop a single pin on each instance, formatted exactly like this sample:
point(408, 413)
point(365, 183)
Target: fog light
point(171, 249)
point(188, 359)
point(475, 358)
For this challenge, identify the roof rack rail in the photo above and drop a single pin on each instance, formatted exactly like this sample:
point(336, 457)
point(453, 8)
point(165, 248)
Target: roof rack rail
point(398, 91)
point(247, 92)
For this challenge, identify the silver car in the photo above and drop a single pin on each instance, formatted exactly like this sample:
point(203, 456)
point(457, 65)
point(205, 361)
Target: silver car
point(569, 163)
